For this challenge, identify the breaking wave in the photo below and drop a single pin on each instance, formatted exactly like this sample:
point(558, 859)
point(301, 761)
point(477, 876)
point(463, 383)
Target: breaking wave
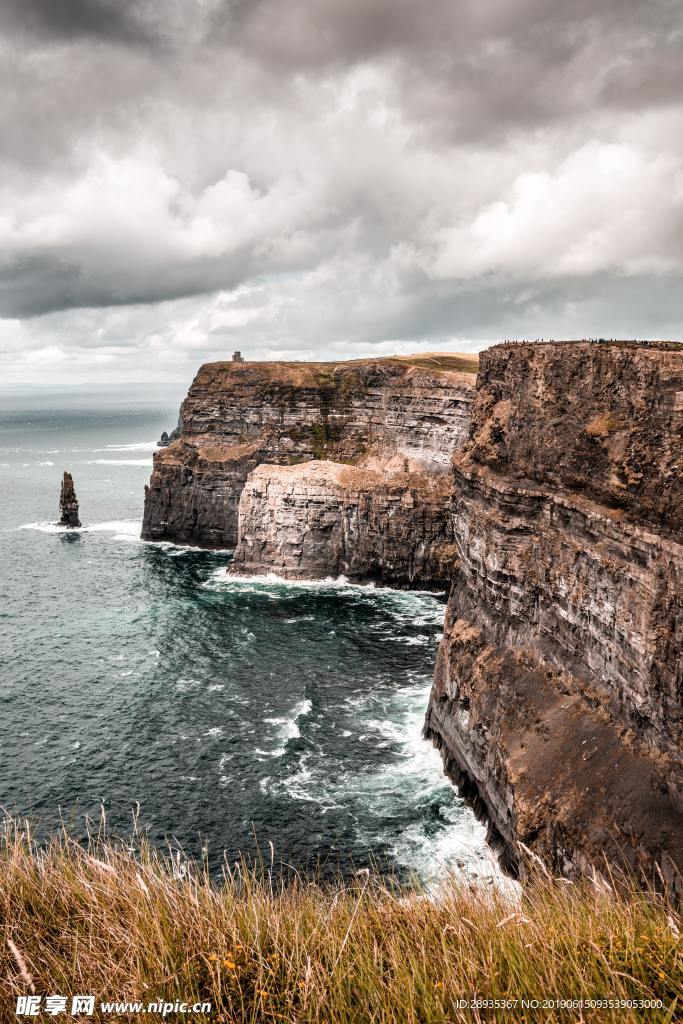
point(128, 528)
point(288, 727)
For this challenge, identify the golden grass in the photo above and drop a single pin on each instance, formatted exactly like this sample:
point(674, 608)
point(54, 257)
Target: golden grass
point(461, 362)
point(127, 924)
point(603, 425)
point(317, 374)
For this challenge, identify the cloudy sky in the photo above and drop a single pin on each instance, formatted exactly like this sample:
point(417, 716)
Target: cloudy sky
point(332, 178)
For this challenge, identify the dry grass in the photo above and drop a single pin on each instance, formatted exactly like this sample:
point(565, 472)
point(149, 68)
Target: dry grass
point(317, 374)
point(462, 362)
point(603, 425)
point(128, 924)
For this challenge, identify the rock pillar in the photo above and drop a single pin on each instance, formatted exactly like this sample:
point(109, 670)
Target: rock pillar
point(68, 503)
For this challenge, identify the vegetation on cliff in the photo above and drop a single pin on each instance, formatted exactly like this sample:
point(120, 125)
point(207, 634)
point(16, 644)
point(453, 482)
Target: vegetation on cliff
point(126, 923)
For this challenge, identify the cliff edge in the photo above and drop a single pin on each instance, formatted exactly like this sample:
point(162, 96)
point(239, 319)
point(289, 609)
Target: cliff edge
point(558, 690)
point(238, 416)
point(386, 521)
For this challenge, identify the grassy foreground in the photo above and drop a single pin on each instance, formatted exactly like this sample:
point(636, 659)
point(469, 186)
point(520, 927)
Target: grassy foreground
point(125, 925)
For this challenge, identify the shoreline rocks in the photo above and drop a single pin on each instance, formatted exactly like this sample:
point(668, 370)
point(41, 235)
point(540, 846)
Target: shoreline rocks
point(68, 503)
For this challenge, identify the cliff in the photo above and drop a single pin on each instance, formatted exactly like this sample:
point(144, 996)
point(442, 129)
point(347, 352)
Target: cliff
point(238, 416)
point(601, 420)
point(391, 523)
point(551, 501)
point(557, 696)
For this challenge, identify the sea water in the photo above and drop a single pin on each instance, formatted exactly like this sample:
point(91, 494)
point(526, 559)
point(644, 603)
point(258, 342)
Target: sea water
point(227, 714)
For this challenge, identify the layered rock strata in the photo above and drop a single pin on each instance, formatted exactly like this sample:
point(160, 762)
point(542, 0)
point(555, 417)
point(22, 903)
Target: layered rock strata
point(390, 523)
point(604, 421)
point(68, 503)
point(241, 415)
point(557, 699)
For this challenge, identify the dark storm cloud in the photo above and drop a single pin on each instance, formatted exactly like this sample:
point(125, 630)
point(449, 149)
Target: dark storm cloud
point(476, 67)
point(109, 20)
point(38, 284)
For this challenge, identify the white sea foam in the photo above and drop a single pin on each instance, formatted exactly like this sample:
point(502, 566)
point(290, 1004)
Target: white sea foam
point(46, 528)
point(119, 462)
point(224, 578)
point(434, 618)
point(183, 685)
point(122, 529)
point(139, 446)
point(460, 848)
point(224, 778)
point(46, 463)
point(410, 641)
point(297, 785)
point(415, 774)
point(460, 845)
point(271, 579)
point(180, 549)
point(288, 727)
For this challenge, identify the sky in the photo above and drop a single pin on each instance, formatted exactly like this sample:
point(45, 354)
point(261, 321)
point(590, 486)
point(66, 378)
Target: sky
point(332, 179)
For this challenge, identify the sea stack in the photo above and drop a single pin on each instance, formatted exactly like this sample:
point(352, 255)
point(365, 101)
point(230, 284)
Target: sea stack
point(68, 503)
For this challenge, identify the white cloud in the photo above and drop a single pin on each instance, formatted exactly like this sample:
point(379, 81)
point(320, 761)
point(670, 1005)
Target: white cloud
point(606, 208)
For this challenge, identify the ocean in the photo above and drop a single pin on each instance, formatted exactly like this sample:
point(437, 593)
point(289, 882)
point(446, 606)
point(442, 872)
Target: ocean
point(226, 715)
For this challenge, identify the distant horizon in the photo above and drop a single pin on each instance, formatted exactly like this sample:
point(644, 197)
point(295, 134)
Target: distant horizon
point(172, 384)
point(96, 384)
point(151, 379)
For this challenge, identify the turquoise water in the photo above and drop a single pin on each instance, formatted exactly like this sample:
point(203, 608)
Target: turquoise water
point(232, 714)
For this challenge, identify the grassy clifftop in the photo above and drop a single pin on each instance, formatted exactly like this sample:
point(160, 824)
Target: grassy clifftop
point(126, 925)
point(317, 374)
point(461, 362)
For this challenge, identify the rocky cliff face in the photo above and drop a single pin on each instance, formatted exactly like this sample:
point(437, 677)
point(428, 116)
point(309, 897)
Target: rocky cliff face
point(558, 520)
point(391, 523)
point(558, 690)
point(601, 420)
point(194, 492)
point(241, 415)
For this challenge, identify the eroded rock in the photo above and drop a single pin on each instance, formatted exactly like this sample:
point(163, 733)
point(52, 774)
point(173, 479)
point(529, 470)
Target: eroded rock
point(240, 415)
point(386, 522)
point(558, 688)
point(68, 504)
